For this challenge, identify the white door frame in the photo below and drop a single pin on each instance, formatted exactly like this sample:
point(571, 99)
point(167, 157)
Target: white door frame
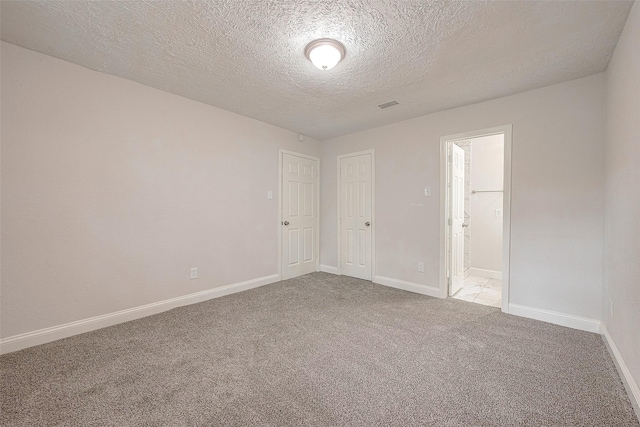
point(373, 208)
point(507, 131)
point(316, 248)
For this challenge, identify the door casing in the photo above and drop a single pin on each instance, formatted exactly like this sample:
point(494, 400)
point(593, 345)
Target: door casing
point(507, 131)
point(316, 248)
point(456, 226)
point(373, 208)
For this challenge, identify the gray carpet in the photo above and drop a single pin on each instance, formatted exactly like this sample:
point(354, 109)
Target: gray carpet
point(318, 350)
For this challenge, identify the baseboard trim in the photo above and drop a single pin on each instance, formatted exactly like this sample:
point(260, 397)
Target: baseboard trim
point(555, 317)
point(489, 274)
point(328, 269)
point(408, 286)
point(629, 382)
point(43, 336)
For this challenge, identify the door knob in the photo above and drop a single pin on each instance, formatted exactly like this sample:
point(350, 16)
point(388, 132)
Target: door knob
point(367, 223)
point(286, 223)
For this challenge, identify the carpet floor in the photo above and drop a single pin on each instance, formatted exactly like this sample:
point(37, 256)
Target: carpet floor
point(318, 350)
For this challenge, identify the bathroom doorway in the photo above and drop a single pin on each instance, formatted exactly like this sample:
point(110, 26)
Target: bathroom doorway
point(477, 235)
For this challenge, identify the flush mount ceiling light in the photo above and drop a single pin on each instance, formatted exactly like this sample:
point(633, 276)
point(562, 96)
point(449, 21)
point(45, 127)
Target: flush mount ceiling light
point(325, 53)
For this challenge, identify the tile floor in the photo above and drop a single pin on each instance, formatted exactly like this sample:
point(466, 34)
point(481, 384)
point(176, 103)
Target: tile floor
point(481, 290)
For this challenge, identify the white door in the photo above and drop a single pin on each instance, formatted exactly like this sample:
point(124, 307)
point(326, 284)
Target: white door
point(299, 215)
point(355, 215)
point(456, 212)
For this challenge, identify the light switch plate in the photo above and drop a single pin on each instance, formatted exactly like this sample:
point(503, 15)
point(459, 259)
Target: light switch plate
point(269, 195)
point(194, 272)
point(427, 191)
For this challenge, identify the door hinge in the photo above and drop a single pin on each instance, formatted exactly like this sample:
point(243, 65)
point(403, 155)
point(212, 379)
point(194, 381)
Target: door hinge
point(449, 157)
point(450, 222)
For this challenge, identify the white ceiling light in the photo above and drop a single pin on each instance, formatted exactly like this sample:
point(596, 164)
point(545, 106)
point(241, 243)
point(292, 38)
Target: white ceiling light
point(325, 53)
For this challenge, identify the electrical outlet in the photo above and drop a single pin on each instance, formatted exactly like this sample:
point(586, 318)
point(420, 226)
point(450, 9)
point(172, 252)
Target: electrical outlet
point(498, 213)
point(611, 308)
point(194, 272)
point(421, 267)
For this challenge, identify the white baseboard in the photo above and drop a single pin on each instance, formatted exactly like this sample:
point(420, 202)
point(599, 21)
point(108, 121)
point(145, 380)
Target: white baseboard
point(328, 269)
point(42, 336)
point(555, 317)
point(629, 382)
point(408, 286)
point(489, 274)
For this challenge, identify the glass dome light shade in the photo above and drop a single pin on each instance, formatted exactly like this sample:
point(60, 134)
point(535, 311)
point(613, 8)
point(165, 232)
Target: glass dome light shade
point(325, 53)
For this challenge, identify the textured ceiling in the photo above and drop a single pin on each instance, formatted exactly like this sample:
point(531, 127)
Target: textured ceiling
point(247, 56)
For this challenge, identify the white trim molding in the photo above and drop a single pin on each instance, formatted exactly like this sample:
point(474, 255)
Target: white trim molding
point(328, 269)
point(555, 317)
point(432, 291)
point(489, 274)
point(627, 379)
point(43, 336)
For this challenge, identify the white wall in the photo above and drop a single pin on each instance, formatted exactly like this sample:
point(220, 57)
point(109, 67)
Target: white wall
point(557, 193)
point(485, 229)
point(622, 203)
point(112, 190)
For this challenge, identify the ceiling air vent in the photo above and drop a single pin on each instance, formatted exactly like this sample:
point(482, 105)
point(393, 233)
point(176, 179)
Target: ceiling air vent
point(388, 104)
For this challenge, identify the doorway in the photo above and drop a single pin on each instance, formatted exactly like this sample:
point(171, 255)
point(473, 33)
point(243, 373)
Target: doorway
point(476, 216)
point(299, 214)
point(356, 214)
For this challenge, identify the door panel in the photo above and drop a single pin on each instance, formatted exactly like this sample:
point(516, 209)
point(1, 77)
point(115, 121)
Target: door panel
point(293, 246)
point(355, 216)
point(308, 244)
point(456, 212)
point(299, 215)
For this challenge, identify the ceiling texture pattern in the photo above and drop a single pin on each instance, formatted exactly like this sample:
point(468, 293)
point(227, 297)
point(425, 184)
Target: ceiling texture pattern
point(247, 56)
